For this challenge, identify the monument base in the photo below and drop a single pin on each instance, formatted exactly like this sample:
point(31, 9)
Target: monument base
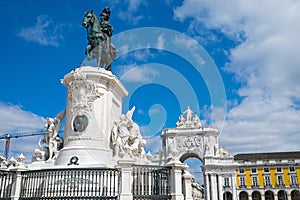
point(94, 103)
point(82, 156)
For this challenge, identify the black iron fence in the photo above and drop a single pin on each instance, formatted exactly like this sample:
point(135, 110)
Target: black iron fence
point(151, 182)
point(70, 184)
point(6, 184)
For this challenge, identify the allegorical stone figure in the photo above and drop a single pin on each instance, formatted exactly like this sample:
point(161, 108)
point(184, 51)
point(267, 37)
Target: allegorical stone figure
point(51, 137)
point(53, 140)
point(126, 136)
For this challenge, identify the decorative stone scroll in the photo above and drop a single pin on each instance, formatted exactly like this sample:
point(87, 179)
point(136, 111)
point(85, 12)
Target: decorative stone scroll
point(82, 93)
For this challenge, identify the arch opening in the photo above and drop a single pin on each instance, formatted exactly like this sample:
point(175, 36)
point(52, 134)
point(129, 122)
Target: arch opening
point(195, 166)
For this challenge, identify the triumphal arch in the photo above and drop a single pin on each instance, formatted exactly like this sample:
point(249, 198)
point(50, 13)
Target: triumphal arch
point(191, 139)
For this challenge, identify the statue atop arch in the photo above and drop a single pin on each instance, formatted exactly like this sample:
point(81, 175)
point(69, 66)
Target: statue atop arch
point(188, 119)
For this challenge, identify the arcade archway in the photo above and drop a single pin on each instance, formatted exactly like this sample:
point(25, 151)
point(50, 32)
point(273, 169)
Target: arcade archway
point(195, 167)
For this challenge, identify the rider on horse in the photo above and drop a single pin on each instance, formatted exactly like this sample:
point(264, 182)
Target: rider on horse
point(99, 38)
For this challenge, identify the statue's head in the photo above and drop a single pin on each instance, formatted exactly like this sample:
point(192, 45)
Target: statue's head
point(105, 15)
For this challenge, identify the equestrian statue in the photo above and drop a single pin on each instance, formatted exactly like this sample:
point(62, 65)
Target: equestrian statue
point(99, 38)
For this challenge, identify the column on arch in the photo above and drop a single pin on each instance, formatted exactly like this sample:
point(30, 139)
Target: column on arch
point(207, 186)
point(220, 186)
point(213, 189)
point(233, 184)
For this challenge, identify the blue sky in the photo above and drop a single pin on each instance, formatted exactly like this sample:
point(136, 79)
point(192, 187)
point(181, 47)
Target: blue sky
point(254, 51)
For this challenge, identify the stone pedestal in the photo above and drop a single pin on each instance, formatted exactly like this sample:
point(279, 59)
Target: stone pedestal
point(126, 179)
point(176, 179)
point(94, 102)
point(187, 184)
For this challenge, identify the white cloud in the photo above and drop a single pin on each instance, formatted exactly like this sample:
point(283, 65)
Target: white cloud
point(14, 119)
point(153, 144)
point(266, 63)
point(44, 32)
point(130, 14)
point(142, 55)
point(138, 74)
point(161, 42)
point(189, 45)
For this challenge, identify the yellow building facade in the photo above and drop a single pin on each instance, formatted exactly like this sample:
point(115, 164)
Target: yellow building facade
point(268, 176)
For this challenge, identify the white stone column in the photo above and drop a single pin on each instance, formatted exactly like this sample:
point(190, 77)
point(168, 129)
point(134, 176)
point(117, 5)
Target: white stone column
point(16, 187)
point(94, 102)
point(126, 179)
point(207, 187)
point(214, 191)
point(176, 179)
point(233, 185)
point(220, 186)
point(187, 183)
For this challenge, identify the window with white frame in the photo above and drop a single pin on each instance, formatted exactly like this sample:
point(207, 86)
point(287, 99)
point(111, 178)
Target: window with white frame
point(266, 170)
point(226, 182)
point(253, 170)
point(279, 169)
point(292, 169)
point(267, 181)
point(254, 181)
point(293, 180)
point(242, 170)
point(242, 181)
point(280, 180)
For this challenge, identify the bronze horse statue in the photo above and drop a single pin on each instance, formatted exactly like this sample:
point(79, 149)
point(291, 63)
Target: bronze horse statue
point(99, 39)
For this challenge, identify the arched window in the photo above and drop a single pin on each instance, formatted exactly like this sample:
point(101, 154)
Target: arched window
point(269, 195)
point(282, 195)
point(295, 195)
point(227, 196)
point(243, 195)
point(256, 195)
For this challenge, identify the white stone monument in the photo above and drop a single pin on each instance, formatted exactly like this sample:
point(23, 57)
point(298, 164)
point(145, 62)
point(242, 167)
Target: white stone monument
point(94, 103)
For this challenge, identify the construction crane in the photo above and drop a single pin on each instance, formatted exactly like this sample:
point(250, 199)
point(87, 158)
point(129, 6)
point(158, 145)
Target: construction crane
point(7, 137)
